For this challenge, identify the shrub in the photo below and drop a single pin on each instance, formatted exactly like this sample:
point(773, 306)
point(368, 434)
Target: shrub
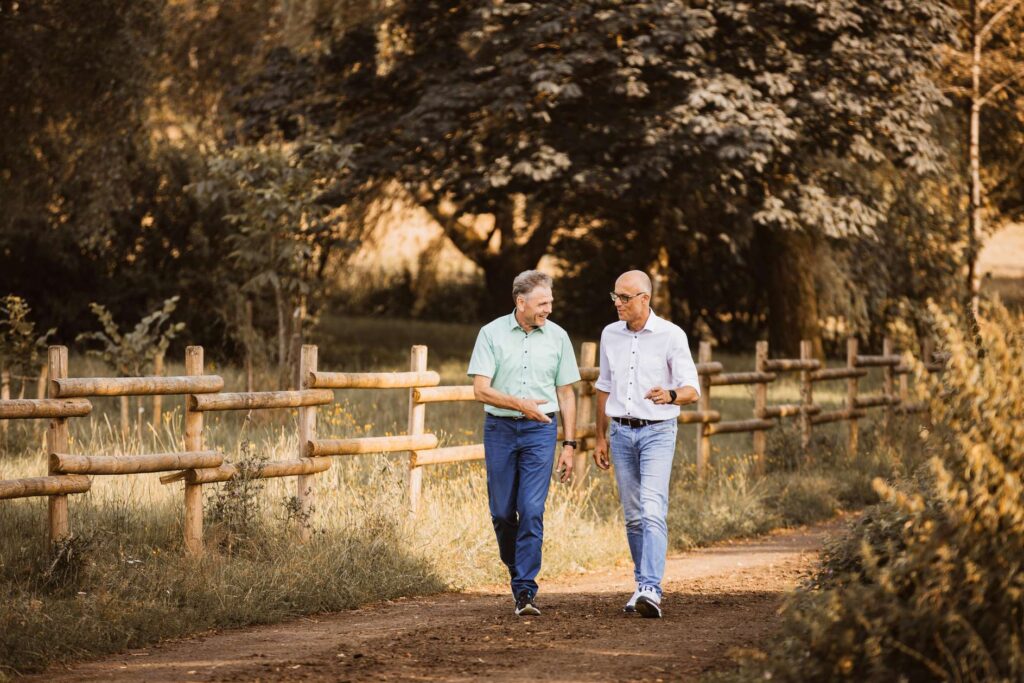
point(927, 585)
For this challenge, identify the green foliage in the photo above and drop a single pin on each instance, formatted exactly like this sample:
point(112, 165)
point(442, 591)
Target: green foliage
point(233, 508)
point(704, 127)
point(283, 234)
point(132, 352)
point(928, 585)
point(20, 347)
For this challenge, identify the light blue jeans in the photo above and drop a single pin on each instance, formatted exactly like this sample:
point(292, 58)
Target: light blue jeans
point(643, 465)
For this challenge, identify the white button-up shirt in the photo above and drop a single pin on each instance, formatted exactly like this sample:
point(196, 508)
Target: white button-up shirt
point(632, 363)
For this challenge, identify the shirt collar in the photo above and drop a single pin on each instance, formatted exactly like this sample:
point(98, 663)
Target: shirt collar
point(652, 324)
point(513, 324)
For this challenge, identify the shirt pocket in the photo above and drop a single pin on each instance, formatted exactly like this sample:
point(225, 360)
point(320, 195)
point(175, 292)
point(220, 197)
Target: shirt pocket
point(653, 371)
point(543, 361)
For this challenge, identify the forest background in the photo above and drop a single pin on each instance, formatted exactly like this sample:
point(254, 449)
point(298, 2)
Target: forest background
point(784, 169)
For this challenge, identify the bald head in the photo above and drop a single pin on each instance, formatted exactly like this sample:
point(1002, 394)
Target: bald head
point(635, 281)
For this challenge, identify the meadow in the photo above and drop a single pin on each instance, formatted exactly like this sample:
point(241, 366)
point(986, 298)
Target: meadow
point(123, 580)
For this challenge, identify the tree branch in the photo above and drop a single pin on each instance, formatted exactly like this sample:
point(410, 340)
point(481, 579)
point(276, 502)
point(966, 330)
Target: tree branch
point(999, 87)
point(994, 20)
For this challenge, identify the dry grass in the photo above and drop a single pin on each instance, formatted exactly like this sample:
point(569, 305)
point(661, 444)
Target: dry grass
point(124, 581)
point(927, 585)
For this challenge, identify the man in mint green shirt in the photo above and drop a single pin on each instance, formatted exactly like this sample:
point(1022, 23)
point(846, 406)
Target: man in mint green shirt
point(523, 368)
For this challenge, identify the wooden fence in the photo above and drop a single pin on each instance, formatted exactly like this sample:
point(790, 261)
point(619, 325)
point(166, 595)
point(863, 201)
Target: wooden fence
point(67, 398)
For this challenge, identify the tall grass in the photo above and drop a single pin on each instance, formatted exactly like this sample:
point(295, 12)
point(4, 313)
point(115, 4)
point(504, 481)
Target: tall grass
point(123, 580)
point(928, 585)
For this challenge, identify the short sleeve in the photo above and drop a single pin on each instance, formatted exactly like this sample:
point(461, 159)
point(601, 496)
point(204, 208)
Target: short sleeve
point(482, 361)
point(568, 370)
point(604, 377)
point(684, 372)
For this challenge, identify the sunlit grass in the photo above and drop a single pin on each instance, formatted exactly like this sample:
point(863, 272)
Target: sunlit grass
point(126, 581)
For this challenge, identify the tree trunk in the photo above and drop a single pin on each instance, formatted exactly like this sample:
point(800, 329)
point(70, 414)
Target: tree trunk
point(499, 272)
point(974, 151)
point(282, 330)
point(792, 299)
point(521, 236)
point(518, 248)
point(5, 394)
point(661, 296)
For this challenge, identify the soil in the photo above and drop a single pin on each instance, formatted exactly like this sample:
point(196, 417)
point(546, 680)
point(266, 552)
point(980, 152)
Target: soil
point(717, 600)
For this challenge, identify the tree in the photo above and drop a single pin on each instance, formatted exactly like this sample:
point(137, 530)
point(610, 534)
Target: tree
point(283, 236)
point(20, 346)
point(132, 352)
point(649, 116)
point(985, 76)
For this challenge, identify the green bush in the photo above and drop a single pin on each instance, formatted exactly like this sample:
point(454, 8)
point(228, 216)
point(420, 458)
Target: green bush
point(928, 584)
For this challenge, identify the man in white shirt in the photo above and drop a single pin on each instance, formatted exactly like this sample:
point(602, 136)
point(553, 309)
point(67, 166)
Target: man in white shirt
point(647, 372)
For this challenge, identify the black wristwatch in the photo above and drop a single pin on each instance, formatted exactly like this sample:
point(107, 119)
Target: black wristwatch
point(569, 443)
point(672, 395)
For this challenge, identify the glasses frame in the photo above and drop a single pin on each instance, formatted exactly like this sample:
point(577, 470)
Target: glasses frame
point(625, 298)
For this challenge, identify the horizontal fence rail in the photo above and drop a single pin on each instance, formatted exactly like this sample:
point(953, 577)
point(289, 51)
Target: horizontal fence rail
point(135, 386)
point(260, 400)
point(132, 464)
point(43, 486)
point(195, 466)
point(30, 408)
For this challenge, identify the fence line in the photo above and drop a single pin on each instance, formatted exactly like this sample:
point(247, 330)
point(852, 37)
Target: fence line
point(195, 466)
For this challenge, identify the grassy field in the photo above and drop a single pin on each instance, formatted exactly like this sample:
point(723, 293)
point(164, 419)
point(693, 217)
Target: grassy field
point(123, 580)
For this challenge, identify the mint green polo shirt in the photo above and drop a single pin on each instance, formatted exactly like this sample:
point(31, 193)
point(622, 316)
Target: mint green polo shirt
point(524, 365)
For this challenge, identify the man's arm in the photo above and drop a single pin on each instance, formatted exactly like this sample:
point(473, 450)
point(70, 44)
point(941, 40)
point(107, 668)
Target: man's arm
point(684, 396)
point(683, 375)
point(567, 406)
point(601, 447)
point(485, 393)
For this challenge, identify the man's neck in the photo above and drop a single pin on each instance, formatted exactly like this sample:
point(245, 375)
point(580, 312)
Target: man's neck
point(526, 326)
point(640, 324)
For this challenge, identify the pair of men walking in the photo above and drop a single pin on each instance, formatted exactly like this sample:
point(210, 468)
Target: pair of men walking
point(523, 368)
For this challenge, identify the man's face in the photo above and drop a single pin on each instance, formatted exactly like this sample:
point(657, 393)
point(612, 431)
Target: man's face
point(535, 307)
point(630, 300)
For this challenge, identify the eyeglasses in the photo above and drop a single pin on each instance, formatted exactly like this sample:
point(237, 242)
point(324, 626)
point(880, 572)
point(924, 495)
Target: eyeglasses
point(624, 298)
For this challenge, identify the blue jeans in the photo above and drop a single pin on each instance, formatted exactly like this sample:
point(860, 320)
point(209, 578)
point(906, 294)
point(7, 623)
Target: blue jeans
point(643, 466)
point(519, 455)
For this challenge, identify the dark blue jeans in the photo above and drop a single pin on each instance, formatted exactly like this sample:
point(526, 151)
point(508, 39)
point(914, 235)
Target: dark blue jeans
point(519, 455)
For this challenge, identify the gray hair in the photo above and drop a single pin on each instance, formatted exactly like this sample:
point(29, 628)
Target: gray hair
point(529, 280)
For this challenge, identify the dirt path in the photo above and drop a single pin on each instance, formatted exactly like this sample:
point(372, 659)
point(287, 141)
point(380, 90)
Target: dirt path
point(716, 599)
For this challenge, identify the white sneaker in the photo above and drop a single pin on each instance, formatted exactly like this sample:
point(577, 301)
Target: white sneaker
point(630, 607)
point(648, 603)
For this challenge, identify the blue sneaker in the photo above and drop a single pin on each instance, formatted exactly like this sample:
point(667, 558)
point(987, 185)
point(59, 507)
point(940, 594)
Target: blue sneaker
point(525, 606)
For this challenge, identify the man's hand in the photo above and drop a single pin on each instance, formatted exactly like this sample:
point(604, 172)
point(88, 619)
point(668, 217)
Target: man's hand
point(530, 407)
point(601, 453)
point(565, 463)
point(659, 396)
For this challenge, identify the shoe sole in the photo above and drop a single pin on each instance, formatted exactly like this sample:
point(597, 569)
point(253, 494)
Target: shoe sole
point(528, 611)
point(629, 609)
point(648, 609)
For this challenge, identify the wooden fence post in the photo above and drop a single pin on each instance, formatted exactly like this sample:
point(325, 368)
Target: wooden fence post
point(585, 412)
point(193, 443)
point(305, 491)
point(158, 400)
point(905, 385)
point(806, 400)
point(417, 420)
point(760, 403)
point(887, 384)
point(44, 376)
point(57, 442)
point(703, 437)
point(851, 398)
point(5, 394)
